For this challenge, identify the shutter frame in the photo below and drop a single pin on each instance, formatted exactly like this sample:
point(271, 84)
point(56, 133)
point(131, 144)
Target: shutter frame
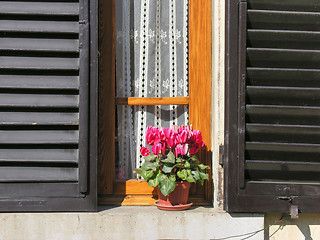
point(241, 196)
point(52, 195)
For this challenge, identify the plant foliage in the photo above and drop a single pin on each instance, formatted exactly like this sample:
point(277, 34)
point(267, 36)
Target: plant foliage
point(172, 157)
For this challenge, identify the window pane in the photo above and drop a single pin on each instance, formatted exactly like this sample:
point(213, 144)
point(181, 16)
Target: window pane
point(151, 61)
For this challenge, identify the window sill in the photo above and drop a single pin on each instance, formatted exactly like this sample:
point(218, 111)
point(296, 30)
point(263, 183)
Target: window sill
point(129, 222)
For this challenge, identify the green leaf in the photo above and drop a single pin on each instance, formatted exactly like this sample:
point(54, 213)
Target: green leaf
point(171, 158)
point(153, 182)
point(203, 167)
point(150, 166)
point(196, 175)
point(182, 174)
point(186, 164)
point(150, 157)
point(147, 174)
point(166, 169)
point(172, 178)
point(178, 160)
point(166, 185)
point(190, 178)
point(204, 176)
point(194, 158)
point(137, 171)
point(167, 160)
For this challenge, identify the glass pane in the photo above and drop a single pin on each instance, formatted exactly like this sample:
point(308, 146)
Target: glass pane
point(151, 61)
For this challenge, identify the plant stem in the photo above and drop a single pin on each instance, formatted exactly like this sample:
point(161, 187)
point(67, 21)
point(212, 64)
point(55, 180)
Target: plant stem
point(160, 165)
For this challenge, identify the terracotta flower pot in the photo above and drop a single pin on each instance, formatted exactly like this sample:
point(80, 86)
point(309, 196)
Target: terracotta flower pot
point(178, 197)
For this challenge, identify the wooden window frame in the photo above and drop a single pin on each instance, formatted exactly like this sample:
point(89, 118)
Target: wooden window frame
point(137, 192)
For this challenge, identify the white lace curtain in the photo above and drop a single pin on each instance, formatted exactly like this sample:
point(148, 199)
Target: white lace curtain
point(151, 61)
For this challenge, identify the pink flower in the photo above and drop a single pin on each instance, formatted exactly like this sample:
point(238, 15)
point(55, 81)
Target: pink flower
point(175, 128)
point(156, 149)
point(145, 151)
point(182, 137)
point(162, 134)
point(152, 136)
point(180, 149)
point(170, 137)
point(194, 149)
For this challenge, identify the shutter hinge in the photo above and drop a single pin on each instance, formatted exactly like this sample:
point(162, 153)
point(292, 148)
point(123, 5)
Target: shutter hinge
point(83, 21)
point(221, 155)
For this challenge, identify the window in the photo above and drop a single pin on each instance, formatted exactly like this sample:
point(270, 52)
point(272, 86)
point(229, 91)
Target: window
point(131, 192)
point(272, 106)
point(48, 82)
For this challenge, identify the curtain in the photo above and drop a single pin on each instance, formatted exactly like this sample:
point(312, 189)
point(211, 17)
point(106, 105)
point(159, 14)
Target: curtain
point(151, 61)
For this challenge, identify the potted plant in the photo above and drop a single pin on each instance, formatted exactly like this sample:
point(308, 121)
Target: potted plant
point(172, 165)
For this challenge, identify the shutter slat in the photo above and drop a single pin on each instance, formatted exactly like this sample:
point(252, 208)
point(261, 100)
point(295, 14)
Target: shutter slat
point(40, 8)
point(279, 165)
point(282, 58)
point(283, 114)
point(38, 118)
point(283, 96)
point(38, 174)
point(39, 82)
point(289, 5)
point(68, 156)
point(38, 100)
point(284, 147)
point(258, 38)
point(291, 152)
point(39, 189)
point(39, 26)
point(39, 63)
point(39, 137)
point(38, 44)
point(261, 170)
point(286, 20)
point(282, 133)
point(283, 77)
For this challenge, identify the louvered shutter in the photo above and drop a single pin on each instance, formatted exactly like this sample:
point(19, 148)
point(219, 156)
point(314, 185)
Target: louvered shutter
point(273, 106)
point(44, 104)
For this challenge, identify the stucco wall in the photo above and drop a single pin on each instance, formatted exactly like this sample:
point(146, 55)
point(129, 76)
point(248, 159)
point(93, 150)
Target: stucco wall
point(281, 227)
point(129, 223)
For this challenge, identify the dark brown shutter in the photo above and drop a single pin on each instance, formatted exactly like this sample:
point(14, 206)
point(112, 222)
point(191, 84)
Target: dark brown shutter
point(44, 106)
point(273, 106)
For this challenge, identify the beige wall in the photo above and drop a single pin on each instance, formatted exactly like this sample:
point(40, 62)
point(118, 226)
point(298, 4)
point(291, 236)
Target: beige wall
point(282, 227)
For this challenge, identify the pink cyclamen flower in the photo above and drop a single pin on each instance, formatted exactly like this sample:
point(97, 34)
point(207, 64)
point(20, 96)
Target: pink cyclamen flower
point(170, 137)
point(156, 149)
point(145, 151)
point(180, 149)
point(152, 136)
point(194, 149)
point(182, 137)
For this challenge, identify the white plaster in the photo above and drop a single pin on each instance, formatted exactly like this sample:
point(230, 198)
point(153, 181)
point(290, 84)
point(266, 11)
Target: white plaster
point(218, 81)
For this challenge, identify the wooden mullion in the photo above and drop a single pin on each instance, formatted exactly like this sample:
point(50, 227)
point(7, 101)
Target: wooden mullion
point(200, 77)
point(152, 101)
point(106, 96)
